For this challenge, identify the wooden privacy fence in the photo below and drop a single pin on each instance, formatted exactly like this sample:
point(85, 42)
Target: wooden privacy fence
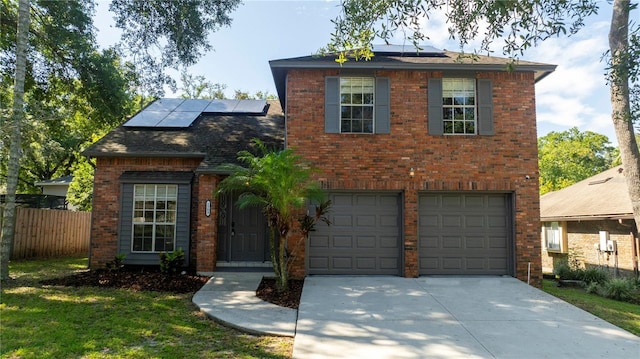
point(50, 233)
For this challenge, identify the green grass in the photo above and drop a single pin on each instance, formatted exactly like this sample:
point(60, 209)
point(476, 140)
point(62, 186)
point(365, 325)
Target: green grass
point(64, 322)
point(622, 314)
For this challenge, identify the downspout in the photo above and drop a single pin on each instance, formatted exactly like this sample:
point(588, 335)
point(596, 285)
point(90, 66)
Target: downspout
point(634, 248)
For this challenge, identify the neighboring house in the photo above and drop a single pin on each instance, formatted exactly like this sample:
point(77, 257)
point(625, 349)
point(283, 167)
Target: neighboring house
point(430, 163)
point(57, 187)
point(592, 221)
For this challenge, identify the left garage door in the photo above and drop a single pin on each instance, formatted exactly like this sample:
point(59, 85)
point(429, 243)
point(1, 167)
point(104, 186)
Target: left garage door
point(364, 236)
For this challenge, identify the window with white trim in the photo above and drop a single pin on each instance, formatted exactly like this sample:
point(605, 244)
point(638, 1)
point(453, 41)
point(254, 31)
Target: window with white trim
point(357, 104)
point(553, 234)
point(459, 106)
point(154, 217)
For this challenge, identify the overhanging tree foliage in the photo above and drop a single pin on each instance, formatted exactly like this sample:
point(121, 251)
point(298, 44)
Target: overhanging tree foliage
point(72, 92)
point(159, 35)
point(520, 24)
point(279, 183)
point(568, 157)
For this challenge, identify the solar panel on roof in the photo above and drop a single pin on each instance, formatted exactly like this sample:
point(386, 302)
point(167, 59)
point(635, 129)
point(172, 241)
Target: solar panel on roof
point(193, 105)
point(250, 106)
point(181, 113)
point(146, 118)
point(165, 104)
point(222, 106)
point(407, 49)
point(179, 119)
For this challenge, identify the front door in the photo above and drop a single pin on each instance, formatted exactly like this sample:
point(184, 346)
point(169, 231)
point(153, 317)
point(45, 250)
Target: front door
point(242, 233)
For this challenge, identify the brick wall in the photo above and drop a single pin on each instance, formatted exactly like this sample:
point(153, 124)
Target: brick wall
point(582, 238)
point(449, 163)
point(106, 199)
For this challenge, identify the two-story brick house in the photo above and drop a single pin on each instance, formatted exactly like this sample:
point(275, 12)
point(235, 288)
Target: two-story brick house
point(430, 162)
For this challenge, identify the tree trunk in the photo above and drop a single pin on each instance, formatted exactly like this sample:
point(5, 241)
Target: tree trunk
point(14, 128)
point(621, 113)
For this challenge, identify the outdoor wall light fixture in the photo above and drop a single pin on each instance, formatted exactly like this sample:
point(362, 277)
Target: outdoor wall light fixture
point(412, 172)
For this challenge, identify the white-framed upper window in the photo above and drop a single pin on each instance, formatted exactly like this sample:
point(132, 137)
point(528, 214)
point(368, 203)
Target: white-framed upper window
point(154, 217)
point(553, 235)
point(459, 106)
point(357, 104)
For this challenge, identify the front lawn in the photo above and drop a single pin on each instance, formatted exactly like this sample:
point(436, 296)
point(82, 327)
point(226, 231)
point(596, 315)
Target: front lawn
point(622, 314)
point(88, 322)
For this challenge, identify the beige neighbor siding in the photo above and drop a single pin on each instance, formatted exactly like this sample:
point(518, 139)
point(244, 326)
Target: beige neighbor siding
point(41, 233)
point(582, 238)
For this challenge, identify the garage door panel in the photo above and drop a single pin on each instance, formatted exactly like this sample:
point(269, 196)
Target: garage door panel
point(474, 202)
point(428, 242)
point(452, 242)
point(451, 201)
point(319, 242)
point(364, 237)
point(342, 242)
point(462, 233)
point(390, 221)
point(451, 221)
point(318, 262)
point(390, 242)
point(474, 242)
point(428, 221)
point(472, 221)
point(365, 242)
point(366, 221)
point(342, 262)
point(452, 263)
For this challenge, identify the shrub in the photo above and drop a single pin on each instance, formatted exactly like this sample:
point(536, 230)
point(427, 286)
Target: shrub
point(564, 271)
point(619, 289)
point(116, 263)
point(171, 262)
point(593, 288)
point(595, 275)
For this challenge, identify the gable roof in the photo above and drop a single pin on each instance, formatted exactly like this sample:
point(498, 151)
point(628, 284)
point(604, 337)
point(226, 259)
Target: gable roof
point(431, 60)
point(603, 196)
point(215, 138)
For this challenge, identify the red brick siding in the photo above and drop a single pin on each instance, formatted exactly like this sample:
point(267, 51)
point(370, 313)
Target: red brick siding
point(449, 163)
point(106, 199)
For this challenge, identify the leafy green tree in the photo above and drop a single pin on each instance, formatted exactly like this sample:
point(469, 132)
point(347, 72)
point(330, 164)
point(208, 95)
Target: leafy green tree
point(520, 25)
point(199, 87)
point(80, 192)
point(65, 85)
point(259, 95)
point(160, 35)
point(280, 183)
point(570, 156)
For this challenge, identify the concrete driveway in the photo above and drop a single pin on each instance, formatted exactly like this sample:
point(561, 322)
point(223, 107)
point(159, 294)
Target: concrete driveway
point(448, 317)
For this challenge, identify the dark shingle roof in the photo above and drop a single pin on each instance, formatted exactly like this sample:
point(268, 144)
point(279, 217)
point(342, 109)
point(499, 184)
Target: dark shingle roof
point(216, 138)
point(603, 196)
point(444, 61)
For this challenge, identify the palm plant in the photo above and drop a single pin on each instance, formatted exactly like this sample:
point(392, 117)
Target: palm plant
point(280, 183)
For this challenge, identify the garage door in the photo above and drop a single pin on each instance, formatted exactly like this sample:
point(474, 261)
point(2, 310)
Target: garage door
point(363, 238)
point(465, 234)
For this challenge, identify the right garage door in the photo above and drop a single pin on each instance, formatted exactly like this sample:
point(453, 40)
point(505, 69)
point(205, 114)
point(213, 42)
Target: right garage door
point(465, 233)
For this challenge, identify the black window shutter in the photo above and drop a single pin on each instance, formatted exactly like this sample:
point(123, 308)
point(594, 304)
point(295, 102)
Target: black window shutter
point(382, 102)
point(434, 89)
point(332, 104)
point(485, 107)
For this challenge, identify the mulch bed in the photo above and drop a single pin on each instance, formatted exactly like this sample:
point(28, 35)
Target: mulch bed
point(268, 292)
point(150, 279)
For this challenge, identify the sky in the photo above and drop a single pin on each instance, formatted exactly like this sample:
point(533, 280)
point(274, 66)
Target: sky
point(575, 95)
